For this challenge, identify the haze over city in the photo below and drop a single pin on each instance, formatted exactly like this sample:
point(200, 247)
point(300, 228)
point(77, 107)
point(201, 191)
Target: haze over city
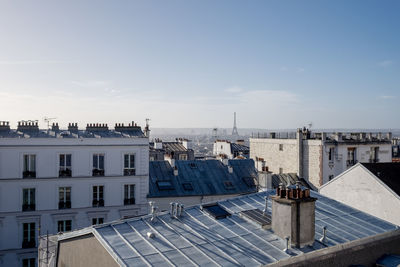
point(192, 64)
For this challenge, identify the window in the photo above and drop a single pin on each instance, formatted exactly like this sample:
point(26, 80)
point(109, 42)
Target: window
point(165, 185)
point(64, 226)
point(187, 186)
point(280, 170)
point(28, 240)
point(98, 165)
point(98, 196)
point(97, 221)
point(331, 153)
point(330, 177)
point(351, 156)
point(280, 147)
point(64, 194)
point(182, 157)
point(28, 199)
point(228, 185)
point(29, 262)
point(129, 164)
point(129, 194)
point(374, 154)
point(29, 166)
point(65, 166)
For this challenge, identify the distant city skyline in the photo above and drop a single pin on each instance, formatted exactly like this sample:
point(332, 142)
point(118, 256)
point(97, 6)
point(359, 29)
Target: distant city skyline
point(192, 64)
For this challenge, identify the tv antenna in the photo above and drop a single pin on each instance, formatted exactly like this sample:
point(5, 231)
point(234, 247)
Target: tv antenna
point(48, 120)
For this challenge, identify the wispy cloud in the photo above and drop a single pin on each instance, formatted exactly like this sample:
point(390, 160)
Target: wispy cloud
point(387, 96)
point(300, 70)
point(234, 89)
point(91, 83)
point(385, 63)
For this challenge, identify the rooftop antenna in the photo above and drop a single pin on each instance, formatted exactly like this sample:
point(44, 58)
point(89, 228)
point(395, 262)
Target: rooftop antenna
point(234, 130)
point(147, 128)
point(48, 120)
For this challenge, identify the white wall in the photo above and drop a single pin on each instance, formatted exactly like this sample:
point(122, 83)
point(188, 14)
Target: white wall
point(358, 188)
point(222, 147)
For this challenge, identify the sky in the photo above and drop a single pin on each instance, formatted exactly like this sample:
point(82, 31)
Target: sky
point(187, 63)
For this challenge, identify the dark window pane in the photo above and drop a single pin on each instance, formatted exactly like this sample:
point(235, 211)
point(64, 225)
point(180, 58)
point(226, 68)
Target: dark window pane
point(101, 192)
point(94, 192)
point(101, 220)
point(62, 160)
point(68, 160)
point(132, 161)
point(95, 161)
point(32, 196)
point(101, 162)
point(126, 191)
point(126, 161)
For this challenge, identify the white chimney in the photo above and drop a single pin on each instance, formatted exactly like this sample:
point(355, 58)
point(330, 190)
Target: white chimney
point(158, 144)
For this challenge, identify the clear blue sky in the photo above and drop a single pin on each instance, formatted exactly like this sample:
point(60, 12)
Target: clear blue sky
point(278, 64)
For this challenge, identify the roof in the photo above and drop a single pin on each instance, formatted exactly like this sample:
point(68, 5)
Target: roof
point(239, 148)
point(289, 179)
point(67, 134)
point(388, 173)
point(201, 177)
point(197, 238)
point(173, 147)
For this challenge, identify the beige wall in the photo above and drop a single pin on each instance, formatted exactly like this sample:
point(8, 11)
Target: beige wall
point(312, 161)
point(83, 251)
point(358, 188)
point(268, 149)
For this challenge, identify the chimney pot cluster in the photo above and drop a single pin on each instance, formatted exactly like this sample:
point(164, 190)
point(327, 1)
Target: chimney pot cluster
point(176, 210)
point(4, 123)
point(292, 192)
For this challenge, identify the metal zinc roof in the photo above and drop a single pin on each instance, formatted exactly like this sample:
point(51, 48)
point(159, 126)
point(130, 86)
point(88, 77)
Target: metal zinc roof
point(173, 146)
point(239, 148)
point(200, 177)
point(67, 134)
point(196, 239)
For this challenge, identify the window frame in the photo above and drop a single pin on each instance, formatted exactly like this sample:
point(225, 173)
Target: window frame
point(98, 201)
point(64, 224)
point(65, 201)
point(29, 204)
point(129, 189)
point(63, 169)
point(29, 162)
point(128, 170)
point(29, 241)
point(96, 170)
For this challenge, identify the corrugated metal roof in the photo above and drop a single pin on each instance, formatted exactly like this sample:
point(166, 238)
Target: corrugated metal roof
point(173, 146)
point(201, 177)
point(197, 239)
point(239, 148)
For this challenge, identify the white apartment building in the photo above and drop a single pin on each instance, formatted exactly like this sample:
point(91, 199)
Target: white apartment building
point(55, 181)
point(319, 157)
point(230, 150)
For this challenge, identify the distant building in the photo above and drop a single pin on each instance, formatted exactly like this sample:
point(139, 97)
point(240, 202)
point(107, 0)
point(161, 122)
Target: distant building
point(59, 180)
point(319, 156)
point(230, 150)
point(301, 228)
point(396, 149)
point(198, 181)
point(370, 187)
point(181, 149)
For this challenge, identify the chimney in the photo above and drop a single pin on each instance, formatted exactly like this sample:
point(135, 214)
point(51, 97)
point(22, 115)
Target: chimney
point(293, 215)
point(265, 178)
point(73, 127)
point(379, 136)
point(186, 143)
point(338, 136)
point(158, 144)
point(54, 127)
point(4, 127)
point(175, 171)
point(230, 169)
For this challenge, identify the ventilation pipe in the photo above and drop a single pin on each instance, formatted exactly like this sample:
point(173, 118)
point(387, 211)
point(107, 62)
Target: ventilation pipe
point(324, 239)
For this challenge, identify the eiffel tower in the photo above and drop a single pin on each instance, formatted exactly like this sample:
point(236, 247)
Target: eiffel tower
point(234, 130)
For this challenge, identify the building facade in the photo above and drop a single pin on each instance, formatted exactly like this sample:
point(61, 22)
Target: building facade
point(319, 157)
point(230, 150)
point(55, 181)
point(181, 149)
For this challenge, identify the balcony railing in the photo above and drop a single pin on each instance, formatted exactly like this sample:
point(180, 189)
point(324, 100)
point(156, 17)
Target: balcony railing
point(129, 201)
point(29, 174)
point(98, 203)
point(373, 160)
point(129, 172)
point(29, 243)
point(28, 207)
point(351, 162)
point(64, 205)
point(97, 172)
point(65, 173)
